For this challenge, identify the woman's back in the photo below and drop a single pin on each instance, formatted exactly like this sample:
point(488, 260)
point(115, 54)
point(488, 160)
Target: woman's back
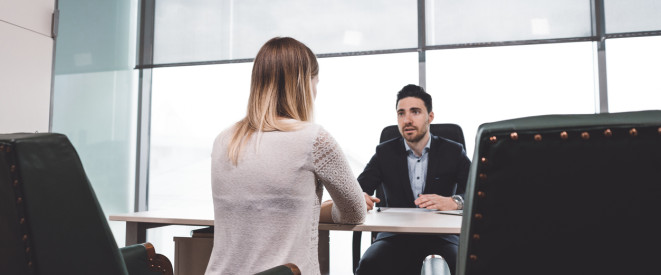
point(267, 206)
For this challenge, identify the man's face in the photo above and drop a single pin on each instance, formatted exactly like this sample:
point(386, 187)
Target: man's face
point(413, 119)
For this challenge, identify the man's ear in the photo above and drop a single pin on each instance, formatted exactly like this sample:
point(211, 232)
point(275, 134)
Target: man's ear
point(431, 116)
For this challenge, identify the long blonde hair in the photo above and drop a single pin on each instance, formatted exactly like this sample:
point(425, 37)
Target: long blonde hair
point(281, 87)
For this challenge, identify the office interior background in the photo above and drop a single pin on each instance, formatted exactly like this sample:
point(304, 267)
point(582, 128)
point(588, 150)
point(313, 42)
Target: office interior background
point(142, 87)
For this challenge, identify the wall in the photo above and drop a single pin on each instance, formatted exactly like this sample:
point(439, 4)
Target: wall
point(26, 57)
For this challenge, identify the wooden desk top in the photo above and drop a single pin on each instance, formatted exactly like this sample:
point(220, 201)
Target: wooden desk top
point(403, 220)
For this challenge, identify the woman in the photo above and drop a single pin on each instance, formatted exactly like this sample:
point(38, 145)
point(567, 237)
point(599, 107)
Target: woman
point(269, 170)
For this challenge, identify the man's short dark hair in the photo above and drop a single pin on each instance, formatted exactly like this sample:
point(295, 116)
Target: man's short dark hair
point(414, 91)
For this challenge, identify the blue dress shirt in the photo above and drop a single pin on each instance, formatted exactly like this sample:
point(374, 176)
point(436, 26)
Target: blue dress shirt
point(417, 168)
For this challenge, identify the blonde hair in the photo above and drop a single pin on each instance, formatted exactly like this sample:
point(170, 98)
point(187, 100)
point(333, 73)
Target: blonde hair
point(281, 87)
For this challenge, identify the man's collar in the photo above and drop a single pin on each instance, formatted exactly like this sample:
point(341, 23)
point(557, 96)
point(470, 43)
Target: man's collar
point(427, 146)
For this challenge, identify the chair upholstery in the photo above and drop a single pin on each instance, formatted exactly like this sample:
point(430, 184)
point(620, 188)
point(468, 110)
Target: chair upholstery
point(50, 219)
point(285, 269)
point(564, 194)
point(445, 130)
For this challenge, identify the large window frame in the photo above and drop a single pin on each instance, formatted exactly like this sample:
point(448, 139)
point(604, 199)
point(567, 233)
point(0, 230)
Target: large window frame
point(145, 65)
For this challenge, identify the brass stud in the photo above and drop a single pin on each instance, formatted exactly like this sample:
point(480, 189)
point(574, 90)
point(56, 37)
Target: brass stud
point(538, 137)
point(473, 257)
point(633, 132)
point(12, 168)
point(27, 249)
point(481, 194)
point(608, 133)
point(476, 237)
point(659, 130)
point(19, 200)
point(25, 237)
point(15, 183)
point(30, 264)
point(8, 149)
point(22, 221)
point(153, 266)
point(514, 136)
point(2, 147)
point(484, 160)
point(585, 135)
point(493, 139)
point(478, 216)
point(483, 176)
point(564, 135)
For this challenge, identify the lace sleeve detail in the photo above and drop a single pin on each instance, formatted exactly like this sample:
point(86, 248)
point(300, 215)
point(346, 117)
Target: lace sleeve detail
point(332, 169)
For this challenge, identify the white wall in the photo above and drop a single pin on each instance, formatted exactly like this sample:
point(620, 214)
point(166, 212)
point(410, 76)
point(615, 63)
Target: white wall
point(26, 56)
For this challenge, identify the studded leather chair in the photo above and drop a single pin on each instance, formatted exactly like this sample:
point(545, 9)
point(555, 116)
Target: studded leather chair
point(564, 194)
point(50, 219)
point(446, 130)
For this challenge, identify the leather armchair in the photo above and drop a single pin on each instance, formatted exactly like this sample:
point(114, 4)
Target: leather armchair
point(50, 219)
point(564, 194)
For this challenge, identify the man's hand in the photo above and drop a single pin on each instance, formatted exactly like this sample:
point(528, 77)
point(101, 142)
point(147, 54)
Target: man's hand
point(370, 201)
point(433, 201)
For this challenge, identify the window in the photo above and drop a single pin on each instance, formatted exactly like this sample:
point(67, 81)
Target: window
point(474, 21)
point(633, 73)
point(203, 30)
point(480, 85)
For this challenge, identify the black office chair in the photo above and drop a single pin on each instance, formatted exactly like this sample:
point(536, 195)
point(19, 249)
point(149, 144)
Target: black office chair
point(447, 130)
point(564, 194)
point(50, 219)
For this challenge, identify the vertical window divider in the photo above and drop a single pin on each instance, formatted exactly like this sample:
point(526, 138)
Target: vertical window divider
point(145, 57)
point(599, 30)
point(422, 43)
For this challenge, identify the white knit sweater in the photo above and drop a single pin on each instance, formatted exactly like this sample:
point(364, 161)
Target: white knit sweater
point(267, 207)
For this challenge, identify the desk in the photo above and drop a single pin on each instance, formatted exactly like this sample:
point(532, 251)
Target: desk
point(389, 220)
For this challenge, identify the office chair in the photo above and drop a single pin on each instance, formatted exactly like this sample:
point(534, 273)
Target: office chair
point(285, 269)
point(564, 194)
point(50, 219)
point(449, 131)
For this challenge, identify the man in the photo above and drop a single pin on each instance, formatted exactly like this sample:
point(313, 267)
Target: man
point(415, 170)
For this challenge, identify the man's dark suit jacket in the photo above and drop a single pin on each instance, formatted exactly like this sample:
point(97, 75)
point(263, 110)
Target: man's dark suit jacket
point(447, 173)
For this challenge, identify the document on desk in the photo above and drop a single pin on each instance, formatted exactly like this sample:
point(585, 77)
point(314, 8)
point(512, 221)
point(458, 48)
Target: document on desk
point(404, 210)
point(452, 212)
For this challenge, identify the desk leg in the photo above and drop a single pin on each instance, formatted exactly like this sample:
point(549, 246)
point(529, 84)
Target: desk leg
point(324, 258)
point(135, 233)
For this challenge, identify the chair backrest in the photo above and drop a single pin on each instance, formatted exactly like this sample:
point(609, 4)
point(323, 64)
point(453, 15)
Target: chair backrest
point(50, 219)
point(564, 194)
point(446, 130)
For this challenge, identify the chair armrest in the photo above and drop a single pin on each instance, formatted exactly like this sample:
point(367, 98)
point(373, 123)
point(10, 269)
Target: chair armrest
point(285, 269)
point(141, 259)
point(435, 265)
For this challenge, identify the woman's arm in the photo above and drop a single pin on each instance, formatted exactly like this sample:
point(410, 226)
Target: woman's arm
point(334, 172)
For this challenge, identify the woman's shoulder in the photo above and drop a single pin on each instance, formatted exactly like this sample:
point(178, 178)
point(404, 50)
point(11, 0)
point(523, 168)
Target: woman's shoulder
point(225, 135)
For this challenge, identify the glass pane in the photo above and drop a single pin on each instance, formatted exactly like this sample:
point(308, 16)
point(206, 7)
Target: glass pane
point(356, 99)
point(480, 85)
point(95, 97)
point(472, 21)
point(202, 30)
point(633, 73)
point(632, 15)
point(190, 106)
point(358, 95)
